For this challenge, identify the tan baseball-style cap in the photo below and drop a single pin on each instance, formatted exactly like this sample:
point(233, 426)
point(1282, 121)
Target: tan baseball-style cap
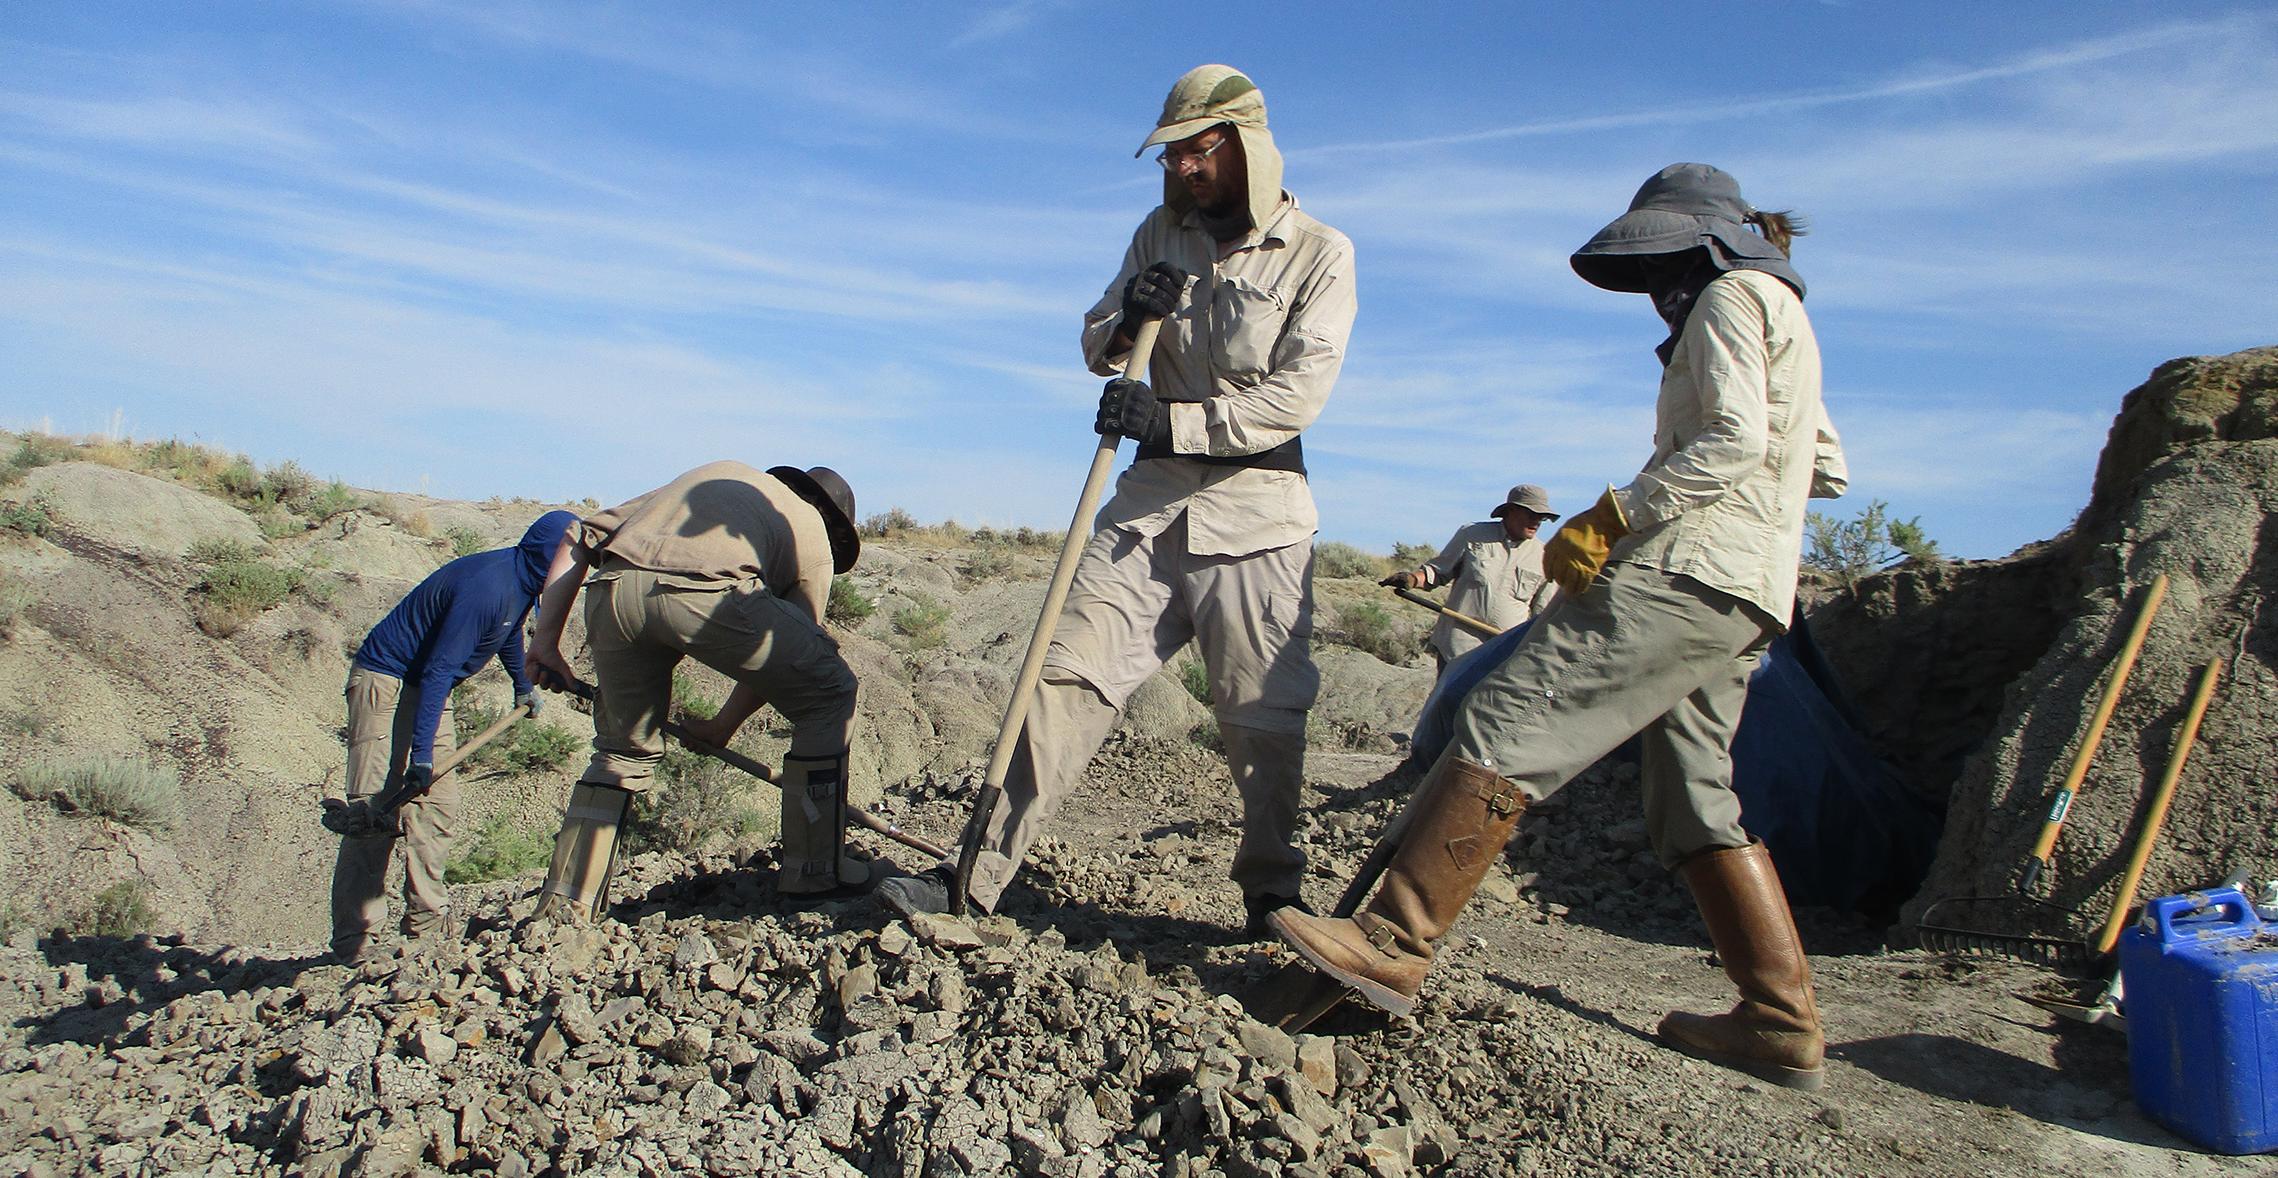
point(1529, 496)
point(1205, 97)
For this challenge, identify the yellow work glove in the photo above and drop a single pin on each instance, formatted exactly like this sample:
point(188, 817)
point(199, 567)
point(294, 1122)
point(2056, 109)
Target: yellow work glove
point(1574, 556)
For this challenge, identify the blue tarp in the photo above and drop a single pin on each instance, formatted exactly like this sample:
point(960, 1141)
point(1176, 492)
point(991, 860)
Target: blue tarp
point(1842, 828)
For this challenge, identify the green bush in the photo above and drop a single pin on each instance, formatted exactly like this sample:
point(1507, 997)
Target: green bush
point(239, 480)
point(33, 450)
point(125, 789)
point(992, 559)
point(121, 910)
point(30, 518)
point(1408, 556)
point(499, 850)
point(288, 485)
point(1195, 677)
point(1335, 558)
point(1850, 549)
point(464, 541)
point(1368, 627)
point(694, 801)
point(534, 745)
point(336, 498)
point(215, 551)
point(891, 522)
point(848, 607)
point(235, 592)
point(691, 697)
point(924, 622)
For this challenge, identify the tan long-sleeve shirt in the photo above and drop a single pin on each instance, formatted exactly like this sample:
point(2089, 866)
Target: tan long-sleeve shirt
point(718, 524)
point(1246, 361)
point(1491, 577)
point(1741, 442)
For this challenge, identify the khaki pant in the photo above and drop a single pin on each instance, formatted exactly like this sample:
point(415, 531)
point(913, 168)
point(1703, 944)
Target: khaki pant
point(640, 626)
point(1134, 603)
point(381, 713)
point(1643, 652)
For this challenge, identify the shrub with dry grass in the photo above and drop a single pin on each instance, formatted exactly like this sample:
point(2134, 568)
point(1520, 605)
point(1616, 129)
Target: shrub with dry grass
point(125, 789)
point(16, 596)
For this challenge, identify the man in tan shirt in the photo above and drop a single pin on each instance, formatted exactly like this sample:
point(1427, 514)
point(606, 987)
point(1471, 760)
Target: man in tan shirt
point(1493, 569)
point(731, 567)
point(1209, 536)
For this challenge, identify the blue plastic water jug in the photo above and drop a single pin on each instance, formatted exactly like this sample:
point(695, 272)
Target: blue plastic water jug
point(2201, 975)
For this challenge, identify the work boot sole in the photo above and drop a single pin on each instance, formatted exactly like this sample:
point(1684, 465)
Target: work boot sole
point(1378, 995)
point(1800, 1079)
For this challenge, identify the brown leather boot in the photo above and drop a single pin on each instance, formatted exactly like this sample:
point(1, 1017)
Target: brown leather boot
point(1459, 820)
point(1773, 1033)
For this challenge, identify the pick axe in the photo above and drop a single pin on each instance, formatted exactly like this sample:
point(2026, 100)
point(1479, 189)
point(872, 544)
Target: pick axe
point(376, 815)
point(860, 816)
point(1483, 629)
point(1047, 619)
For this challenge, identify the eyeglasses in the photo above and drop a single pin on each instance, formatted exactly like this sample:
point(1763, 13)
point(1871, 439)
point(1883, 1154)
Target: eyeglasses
point(1172, 160)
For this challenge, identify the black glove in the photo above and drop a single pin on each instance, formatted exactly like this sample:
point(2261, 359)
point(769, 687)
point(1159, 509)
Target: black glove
point(1395, 581)
point(1128, 408)
point(416, 779)
point(1152, 293)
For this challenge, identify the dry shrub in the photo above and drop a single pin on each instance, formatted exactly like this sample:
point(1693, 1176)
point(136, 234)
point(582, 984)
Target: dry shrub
point(121, 910)
point(125, 789)
point(16, 596)
point(500, 849)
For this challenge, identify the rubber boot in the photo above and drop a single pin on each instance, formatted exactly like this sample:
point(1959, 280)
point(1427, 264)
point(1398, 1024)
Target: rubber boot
point(814, 828)
point(1774, 1032)
point(1462, 815)
point(585, 853)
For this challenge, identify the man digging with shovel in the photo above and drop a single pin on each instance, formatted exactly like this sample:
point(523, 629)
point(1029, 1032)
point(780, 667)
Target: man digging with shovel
point(1673, 586)
point(399, 718)
point(730, 566)
point(1494, 572)
point(1209, 536)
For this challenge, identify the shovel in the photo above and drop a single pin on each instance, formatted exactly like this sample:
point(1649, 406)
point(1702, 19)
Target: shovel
point(1032, 666)
point(2044, 848)
point(376, 815)
point(1461, 619)
point(861, 817)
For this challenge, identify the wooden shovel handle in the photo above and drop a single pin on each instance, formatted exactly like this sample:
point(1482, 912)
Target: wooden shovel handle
point(2062, 805)
point(1483, 629)
point(2156, 817)
point(1047, 619)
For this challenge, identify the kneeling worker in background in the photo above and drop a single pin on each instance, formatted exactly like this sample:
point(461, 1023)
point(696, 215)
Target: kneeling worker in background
point(399, 718)
point(1673, 586)
point(730, 566)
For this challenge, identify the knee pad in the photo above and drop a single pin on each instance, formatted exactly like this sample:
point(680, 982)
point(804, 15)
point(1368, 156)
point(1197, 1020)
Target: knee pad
point(585, 852)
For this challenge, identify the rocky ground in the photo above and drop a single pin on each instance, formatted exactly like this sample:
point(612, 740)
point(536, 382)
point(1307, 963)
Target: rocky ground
point(1101, 1024)
point(1096, 1027)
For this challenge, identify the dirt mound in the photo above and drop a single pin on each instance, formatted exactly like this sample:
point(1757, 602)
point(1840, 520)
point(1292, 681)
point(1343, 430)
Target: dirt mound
point(1993, 669)
point(133, 512)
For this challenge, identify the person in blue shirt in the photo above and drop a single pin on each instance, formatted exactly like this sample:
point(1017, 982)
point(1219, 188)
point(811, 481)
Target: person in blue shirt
point(399, 719)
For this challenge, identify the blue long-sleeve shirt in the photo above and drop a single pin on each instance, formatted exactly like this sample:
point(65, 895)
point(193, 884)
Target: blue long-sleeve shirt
point(458, 618)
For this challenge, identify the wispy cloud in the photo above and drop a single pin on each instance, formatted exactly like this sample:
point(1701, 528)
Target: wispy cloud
point(1006, 20)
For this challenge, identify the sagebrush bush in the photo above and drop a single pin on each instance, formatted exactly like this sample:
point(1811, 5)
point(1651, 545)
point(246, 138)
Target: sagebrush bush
point(848, 607)
point(464, 541)
point(29, 518)
point(1196, 679)
point(34, 450)
point(924, 622)
point(1370, 628)
point(499, 849)
point(695, 800)
point(1408, 556)
point(121, 910)
point(1335, 558)
point(217, 551)
point(235, 592)
point(987, 562)
point(891, 522)
point(336, 498)
point(124, 789)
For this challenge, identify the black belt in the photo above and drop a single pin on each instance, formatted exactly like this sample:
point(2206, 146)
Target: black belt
point(1290, 455)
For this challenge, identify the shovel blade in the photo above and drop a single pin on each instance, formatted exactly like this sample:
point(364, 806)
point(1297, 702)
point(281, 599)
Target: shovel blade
point(1294, 998)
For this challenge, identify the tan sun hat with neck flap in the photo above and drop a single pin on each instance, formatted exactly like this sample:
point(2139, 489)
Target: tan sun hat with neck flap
point(1205, 97)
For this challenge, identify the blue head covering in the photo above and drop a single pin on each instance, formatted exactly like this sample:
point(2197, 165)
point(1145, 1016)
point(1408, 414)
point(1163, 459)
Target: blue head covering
point(536, 550)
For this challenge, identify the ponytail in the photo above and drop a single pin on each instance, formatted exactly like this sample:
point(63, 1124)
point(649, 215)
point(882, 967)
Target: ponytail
point(1780, 228)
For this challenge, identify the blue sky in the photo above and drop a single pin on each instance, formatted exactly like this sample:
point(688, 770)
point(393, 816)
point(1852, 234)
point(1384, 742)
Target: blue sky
point(560, 250)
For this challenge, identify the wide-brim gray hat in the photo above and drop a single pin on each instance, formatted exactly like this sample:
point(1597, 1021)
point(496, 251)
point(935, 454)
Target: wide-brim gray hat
point(1529, 496)
point(1682, 206)
point(827, 492)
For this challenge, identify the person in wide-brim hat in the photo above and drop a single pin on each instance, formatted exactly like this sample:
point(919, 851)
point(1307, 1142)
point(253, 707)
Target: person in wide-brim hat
point(1493, 571)
point(1671, 588)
